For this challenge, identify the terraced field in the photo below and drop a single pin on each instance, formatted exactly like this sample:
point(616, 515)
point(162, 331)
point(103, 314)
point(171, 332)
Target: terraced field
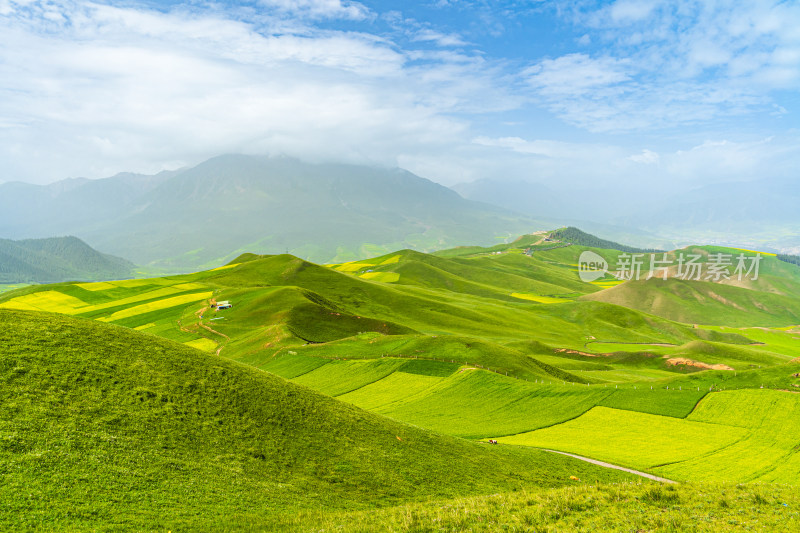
point(739, 436)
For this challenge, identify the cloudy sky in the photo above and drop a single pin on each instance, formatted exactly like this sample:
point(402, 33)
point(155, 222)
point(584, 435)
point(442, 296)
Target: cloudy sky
point(679, 92)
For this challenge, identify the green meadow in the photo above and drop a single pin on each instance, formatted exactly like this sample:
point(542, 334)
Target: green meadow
point(343, 386)
point(106, 427)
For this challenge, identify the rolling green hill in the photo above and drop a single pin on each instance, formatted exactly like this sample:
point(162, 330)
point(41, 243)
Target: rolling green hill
point(57, 259)
point(575, 236)
point(329, 365)
point(300, 320)
point(105, 426)
point(770, 300)
point(523, 315)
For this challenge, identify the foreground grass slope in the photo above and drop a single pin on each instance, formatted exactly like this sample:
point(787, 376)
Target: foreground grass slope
point(105, 426)
point(617, 507)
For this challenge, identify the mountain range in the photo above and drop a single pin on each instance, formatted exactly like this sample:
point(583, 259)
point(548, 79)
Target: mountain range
point(208, 214)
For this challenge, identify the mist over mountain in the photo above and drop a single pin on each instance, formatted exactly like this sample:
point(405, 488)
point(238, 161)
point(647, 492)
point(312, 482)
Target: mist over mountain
point(57, 259)
point(534, 199)
point(70, 206)
point(231, 204)
point(565, 205)
point(758, 213)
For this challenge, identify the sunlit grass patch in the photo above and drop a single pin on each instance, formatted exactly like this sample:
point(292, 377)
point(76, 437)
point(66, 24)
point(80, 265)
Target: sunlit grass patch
point(352, 267)
point(385, 277)
point(225, 267)
point(392, 260)
point(582, 507)
point(606, 284)
point(145, 326)
point(96, 286)
point(341, 377)
point(756, 252)
point(624, 375)
point(189, 286)
point(538, 299)
point(204, 344)
point(128, 283)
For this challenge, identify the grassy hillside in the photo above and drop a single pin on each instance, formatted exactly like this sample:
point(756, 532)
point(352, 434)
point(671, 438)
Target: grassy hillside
point(101, 425)
point(57, 259)
point(470, 312)
point(770, 300)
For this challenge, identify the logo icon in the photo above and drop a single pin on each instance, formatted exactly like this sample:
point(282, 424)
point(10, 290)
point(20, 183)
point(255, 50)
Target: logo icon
point(591, 266)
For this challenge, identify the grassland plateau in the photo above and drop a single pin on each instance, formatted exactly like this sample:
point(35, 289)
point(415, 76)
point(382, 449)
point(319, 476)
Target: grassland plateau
point(364, 394)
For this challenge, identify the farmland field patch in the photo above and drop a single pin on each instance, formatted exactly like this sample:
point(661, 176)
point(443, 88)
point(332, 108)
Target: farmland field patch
point(156, 306)
point(52, 301)
point(478, 404)
point(632, 439)
point(396, 388)
point(340, 377)
point(202, 343)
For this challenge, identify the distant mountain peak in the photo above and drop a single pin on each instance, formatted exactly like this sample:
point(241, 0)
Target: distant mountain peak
point(204, 216)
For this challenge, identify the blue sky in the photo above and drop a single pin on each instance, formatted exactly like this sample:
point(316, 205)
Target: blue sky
point(625, 92)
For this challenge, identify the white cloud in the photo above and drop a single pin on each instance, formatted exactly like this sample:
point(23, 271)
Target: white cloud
point(726, 160)
point(93, 89)
point(442, 39)
point(575, 75)
point(103, 89)
point(586, 163)
point(631, 10)
point(550, 148)
point(320, 8)
point(647, 157)
point(667, 64)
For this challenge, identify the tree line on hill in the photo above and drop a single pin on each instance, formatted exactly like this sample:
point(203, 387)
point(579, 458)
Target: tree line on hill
point(575, 236)
point(786, 258)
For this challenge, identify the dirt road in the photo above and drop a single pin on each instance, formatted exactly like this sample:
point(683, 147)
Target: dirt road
point(615, 467)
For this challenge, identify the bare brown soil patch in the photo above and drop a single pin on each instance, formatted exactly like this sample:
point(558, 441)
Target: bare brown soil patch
point(678, 361)
point(585, 354)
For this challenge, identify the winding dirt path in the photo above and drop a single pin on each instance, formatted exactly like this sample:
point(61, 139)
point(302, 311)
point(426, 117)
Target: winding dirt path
point(199, 314)
point(222, 345)
point(615, 467)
